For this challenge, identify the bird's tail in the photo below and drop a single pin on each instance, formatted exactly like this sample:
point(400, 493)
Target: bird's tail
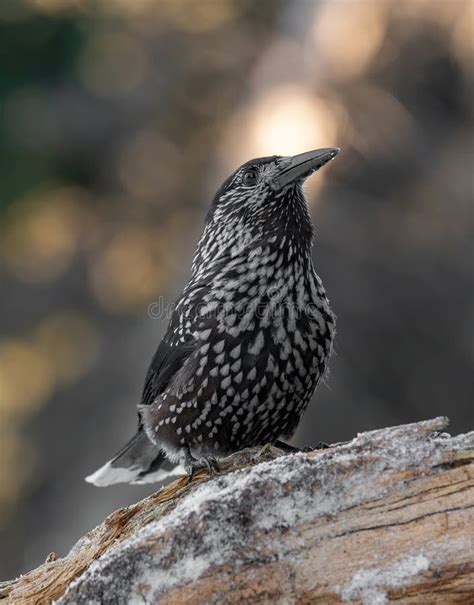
point(139, 461)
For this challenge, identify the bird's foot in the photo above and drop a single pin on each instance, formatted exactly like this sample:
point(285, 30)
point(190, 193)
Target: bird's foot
point(191, 464)
point(207, 462)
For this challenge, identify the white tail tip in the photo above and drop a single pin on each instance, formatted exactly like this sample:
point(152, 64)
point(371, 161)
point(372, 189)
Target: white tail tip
point(108, 475)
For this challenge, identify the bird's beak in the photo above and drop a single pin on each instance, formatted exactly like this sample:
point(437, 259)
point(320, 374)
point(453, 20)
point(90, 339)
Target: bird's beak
point(299, 167)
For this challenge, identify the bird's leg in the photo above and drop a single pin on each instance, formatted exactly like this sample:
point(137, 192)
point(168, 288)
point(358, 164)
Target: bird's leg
point(191, 464)
point(291, 449)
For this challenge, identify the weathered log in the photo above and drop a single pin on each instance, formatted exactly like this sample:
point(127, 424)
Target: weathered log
point(386, 517)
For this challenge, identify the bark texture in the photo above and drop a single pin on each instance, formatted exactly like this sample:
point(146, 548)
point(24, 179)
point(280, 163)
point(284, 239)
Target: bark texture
point(387, 517)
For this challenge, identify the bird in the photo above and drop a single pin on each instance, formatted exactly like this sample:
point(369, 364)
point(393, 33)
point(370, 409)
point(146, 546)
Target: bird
point(248, 339)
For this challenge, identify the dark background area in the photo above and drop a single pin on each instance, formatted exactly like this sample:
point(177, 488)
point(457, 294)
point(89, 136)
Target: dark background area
point(119, 119)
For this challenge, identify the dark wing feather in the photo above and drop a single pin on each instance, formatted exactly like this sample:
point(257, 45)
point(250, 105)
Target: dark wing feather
point(174, 349)
point(168, 359)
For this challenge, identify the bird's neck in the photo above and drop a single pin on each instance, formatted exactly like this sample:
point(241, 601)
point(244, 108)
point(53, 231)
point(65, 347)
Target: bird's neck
point(262, 262)
point(281, 236)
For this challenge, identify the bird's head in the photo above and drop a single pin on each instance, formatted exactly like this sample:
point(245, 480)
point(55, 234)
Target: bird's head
point(261, 201)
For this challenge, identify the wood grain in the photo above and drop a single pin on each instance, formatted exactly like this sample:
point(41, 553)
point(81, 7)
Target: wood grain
point(385, 518)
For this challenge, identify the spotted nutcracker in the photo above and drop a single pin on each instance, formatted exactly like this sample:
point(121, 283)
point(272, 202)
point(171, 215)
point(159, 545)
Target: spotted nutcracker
point(249, 337)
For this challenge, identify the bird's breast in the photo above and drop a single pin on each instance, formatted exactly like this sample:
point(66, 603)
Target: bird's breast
point(285, 304)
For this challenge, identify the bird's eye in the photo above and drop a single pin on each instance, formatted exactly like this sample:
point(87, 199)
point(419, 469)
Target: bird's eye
point(250, 177)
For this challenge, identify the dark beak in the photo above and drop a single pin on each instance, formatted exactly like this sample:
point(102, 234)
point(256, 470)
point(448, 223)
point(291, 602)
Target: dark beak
point(299, 167)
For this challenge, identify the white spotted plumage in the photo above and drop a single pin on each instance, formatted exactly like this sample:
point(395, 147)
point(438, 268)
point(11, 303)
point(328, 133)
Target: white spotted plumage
point(251, 334)
point(269, 350)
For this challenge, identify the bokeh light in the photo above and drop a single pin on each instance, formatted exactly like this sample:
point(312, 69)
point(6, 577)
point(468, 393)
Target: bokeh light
point(463, 36)
point(16, 467)
point(26, 379)
point(40, 235)
point(63, 347)
point(284, 121)
point(70, 341)
point(290, 119)
point(198, 17)
point(113, 63)
point(131, 269)
point(346, 36)
point(149, 166)
point(55, 6)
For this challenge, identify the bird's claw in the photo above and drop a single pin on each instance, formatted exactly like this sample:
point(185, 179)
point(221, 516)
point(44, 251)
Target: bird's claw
point(205, 462)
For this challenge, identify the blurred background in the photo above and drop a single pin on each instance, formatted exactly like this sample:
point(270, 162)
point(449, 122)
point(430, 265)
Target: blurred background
point(118, 121)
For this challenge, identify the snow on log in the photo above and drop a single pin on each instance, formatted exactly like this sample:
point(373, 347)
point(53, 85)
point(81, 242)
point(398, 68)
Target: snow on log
point(387, 517)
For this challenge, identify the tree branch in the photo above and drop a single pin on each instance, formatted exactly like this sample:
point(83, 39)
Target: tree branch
point(386, 517)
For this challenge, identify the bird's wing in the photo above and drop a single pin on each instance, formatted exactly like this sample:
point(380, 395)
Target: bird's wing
point(168, 359)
